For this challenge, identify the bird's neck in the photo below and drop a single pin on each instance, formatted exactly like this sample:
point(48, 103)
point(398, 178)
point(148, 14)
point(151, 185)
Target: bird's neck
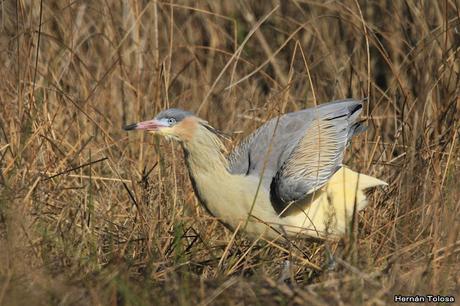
point(212, 183)
point(205, 153)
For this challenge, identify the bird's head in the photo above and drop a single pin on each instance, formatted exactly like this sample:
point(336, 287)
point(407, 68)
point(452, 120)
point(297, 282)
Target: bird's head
point(171, 123)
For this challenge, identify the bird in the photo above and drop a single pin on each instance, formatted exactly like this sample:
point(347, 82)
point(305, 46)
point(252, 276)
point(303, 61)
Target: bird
point(286, 179)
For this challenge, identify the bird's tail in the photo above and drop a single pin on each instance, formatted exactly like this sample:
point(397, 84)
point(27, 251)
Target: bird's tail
point(344, 192)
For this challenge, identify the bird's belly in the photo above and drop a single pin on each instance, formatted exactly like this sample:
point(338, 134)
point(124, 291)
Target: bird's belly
point(233, 200)
point(238, 204)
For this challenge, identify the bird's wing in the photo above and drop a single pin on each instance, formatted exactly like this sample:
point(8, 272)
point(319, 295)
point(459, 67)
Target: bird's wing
point(317, 155)
point(298, 152)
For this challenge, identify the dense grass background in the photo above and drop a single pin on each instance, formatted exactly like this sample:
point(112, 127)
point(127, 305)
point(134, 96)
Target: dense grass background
point(92, 215)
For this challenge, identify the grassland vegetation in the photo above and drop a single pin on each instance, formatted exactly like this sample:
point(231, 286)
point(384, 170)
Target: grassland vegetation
point(92, 215)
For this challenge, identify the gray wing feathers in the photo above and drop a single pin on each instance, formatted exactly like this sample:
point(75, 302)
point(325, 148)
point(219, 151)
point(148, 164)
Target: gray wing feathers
point(273, 141)
point(306, 148)
point(317, 156)
point(239, 159)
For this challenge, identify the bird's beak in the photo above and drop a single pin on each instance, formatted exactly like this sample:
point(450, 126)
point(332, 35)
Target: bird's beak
point(150, 125)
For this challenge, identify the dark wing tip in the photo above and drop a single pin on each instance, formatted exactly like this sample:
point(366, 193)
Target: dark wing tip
point(130, 127)
point(357, 128)
point(356, 107)
point(277, 203)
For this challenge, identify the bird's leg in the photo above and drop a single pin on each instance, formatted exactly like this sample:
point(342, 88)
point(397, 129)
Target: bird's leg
point(330, 263)
point(285, 272)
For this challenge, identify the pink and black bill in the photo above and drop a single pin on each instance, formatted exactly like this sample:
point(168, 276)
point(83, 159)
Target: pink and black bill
point(130, 127)
point(150, 125)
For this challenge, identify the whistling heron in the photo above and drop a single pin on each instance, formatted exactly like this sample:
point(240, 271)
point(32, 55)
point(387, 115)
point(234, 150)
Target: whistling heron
point(286, 178)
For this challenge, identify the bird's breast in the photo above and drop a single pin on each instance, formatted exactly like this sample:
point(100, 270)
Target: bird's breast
point(232, 198)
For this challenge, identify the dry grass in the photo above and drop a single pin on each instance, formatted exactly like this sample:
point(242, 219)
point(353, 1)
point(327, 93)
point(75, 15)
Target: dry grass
point(90, 215)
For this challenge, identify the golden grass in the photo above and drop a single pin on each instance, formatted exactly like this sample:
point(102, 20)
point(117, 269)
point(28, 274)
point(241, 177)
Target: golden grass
point(92, 215)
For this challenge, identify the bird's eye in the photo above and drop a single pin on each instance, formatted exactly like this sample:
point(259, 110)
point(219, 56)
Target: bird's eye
point(171, 121)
